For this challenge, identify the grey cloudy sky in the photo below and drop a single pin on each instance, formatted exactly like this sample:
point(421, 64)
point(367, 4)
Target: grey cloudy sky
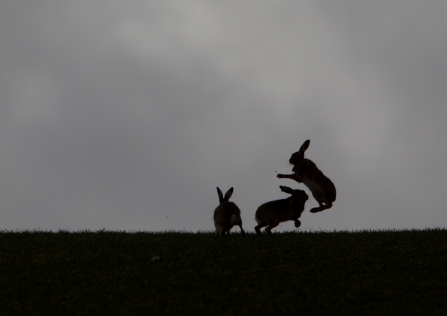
point(126, 115)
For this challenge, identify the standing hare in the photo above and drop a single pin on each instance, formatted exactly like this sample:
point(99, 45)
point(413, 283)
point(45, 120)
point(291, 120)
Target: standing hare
point(227, 214)
point(272, 213)
point(306, 171)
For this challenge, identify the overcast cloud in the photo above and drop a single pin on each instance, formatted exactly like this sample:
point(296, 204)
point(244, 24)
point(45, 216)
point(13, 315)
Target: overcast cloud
point(126, 115)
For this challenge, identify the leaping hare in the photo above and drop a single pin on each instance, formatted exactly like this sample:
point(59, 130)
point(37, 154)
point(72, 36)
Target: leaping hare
point(306, 171)
point(272, 213)
point(227, 214)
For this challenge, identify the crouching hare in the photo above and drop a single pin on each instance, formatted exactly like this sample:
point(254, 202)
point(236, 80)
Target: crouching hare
point(227, 214)
point(306, 171)
point(272, 213)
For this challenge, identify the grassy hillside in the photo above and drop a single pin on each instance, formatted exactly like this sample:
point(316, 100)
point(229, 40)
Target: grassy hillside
point(367, 273)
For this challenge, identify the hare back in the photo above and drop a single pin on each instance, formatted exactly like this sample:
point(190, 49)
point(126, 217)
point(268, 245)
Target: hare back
point(227, 213)
point(308, 169)
point(325, 190)
point(315, 180)
point(277, 211)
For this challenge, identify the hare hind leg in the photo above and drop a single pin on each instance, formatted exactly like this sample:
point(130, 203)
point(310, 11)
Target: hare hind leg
point(321, 208)
point(270, 227)
point(225, 230)
point(258, 228)
point(322, 200)
point(242, 231)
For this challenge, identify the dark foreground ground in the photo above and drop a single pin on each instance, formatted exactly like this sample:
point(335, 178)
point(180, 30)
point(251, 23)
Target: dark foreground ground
point(118, 273)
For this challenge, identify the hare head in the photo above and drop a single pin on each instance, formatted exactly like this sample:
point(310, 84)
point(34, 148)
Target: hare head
point(299, 196)
point(299, 155)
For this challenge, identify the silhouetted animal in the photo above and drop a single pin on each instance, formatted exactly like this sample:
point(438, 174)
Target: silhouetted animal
point(306, 171)
point(272, 213)
point(227, 214)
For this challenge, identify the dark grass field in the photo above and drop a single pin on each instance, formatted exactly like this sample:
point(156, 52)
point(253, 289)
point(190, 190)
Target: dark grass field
point(314, 273)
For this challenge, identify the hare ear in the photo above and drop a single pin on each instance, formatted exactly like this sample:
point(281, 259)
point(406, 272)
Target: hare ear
point(286, 189)
point(304, 146)
point(219, 193)
point(228, 194)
